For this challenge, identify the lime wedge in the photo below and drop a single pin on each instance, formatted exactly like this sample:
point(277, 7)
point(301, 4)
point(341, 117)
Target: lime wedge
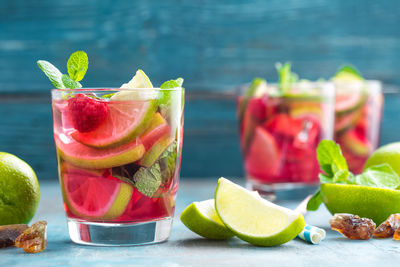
point(347, 73)
point(201, 218)
point(254, 219)
point(140, 80)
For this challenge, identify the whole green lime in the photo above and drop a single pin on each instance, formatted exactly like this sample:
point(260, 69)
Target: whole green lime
point(389, 154)
point(19, 190)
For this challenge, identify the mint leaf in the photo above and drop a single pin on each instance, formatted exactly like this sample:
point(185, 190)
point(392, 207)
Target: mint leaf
point(340, 177)
point(69, 83)
point(286, 76)
point(382, 176)
point(77, 65)
point(125, 173)
point(148, 180)
point(330, 158)
point(167, 162)
point(315, 201)
point(54, 75)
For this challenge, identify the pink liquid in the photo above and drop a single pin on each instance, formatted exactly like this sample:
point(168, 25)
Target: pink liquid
point(279, 137)
point(94, 192)
point(357, 126)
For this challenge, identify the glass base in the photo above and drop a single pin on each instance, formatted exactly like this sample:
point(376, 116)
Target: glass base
point(282, 191)
point(119, 234)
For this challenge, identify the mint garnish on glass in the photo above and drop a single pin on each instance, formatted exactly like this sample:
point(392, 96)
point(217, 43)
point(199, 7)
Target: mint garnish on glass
point(286, 76)
point(77, 66)
point(335, 170)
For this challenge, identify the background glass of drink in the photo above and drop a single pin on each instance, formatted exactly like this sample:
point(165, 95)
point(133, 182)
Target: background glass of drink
point(118, 179)
point(358, 113)
point(279, 134)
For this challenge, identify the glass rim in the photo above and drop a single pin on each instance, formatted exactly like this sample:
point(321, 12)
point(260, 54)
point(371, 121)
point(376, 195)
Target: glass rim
point(115, 89)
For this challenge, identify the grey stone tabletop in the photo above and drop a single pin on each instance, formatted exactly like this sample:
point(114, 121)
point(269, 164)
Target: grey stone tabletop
point(185, 248)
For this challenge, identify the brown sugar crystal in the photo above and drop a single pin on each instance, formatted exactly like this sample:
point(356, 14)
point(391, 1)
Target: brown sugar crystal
point(388, 227)
point(33, 239)
point(352, 226)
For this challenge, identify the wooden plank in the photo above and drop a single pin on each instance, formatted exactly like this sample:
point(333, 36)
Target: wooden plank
point(213, 45)
point(210, 147)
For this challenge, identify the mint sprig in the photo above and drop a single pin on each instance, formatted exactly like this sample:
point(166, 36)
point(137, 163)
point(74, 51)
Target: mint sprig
point(286, 76)
point(54, 75)
point(77, 66)
point(334, 169)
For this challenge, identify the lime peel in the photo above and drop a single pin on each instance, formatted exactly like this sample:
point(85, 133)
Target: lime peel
point(254, 219)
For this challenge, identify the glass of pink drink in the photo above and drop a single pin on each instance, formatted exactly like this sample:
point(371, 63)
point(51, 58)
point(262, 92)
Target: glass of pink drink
point(279, 134)
point(358, 113)
point(118, 153)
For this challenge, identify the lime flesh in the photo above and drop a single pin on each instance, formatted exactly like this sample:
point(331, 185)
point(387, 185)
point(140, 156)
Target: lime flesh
point(254, 219)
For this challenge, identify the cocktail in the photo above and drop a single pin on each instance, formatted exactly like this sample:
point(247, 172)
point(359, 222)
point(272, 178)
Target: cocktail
point(118, 152)
point(280, 126)
point(358, 112)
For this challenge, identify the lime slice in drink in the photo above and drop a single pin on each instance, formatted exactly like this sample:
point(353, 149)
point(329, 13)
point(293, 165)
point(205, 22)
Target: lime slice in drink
point(89, 195)
point(365, 201)
point(91, 158)
point(130, 112)
point(347, 73)
point(140, 80)
point(254, 219)
point(201, 218)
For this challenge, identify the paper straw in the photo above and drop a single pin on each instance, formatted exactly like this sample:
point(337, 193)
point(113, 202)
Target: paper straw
point(312, 234)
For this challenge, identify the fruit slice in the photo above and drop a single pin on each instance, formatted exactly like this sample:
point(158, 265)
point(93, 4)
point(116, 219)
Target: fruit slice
point(89, 195)
point(347, 73)
point(346, 121)
point(370, 202)
point(202, 218)
point(356, 143)
point(257, 88)
point(140, 80)
point(92, 158)
point(155, 151)
point(125, 121)
point(351, 93)
point(389, 154)
point(254, 219)
point(263, 156)
point(130, 112)
point(157, 128)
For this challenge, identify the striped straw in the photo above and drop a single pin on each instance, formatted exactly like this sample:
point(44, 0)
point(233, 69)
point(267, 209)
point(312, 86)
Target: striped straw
point(312, 234)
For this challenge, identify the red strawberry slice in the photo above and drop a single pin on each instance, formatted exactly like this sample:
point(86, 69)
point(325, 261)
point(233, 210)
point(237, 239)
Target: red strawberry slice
point(87, 113)
point(283, 124)
point(263, 158)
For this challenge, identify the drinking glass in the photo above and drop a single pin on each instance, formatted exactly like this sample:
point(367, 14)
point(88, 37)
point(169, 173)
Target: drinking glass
point(279, 133)
point(118, 153)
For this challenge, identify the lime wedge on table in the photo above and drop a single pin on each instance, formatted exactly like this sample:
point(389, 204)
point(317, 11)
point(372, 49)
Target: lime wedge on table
point(201, 218)
point(254, 219)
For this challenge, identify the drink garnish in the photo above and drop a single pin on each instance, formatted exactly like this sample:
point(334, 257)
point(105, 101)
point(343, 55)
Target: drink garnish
point(334, 170)
point(77, 66)
point(286, 76)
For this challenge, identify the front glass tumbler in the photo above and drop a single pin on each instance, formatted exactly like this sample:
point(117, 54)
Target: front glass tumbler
point(119, 154)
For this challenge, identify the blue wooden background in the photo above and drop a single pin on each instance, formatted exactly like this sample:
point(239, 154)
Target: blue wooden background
point(214, 45)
